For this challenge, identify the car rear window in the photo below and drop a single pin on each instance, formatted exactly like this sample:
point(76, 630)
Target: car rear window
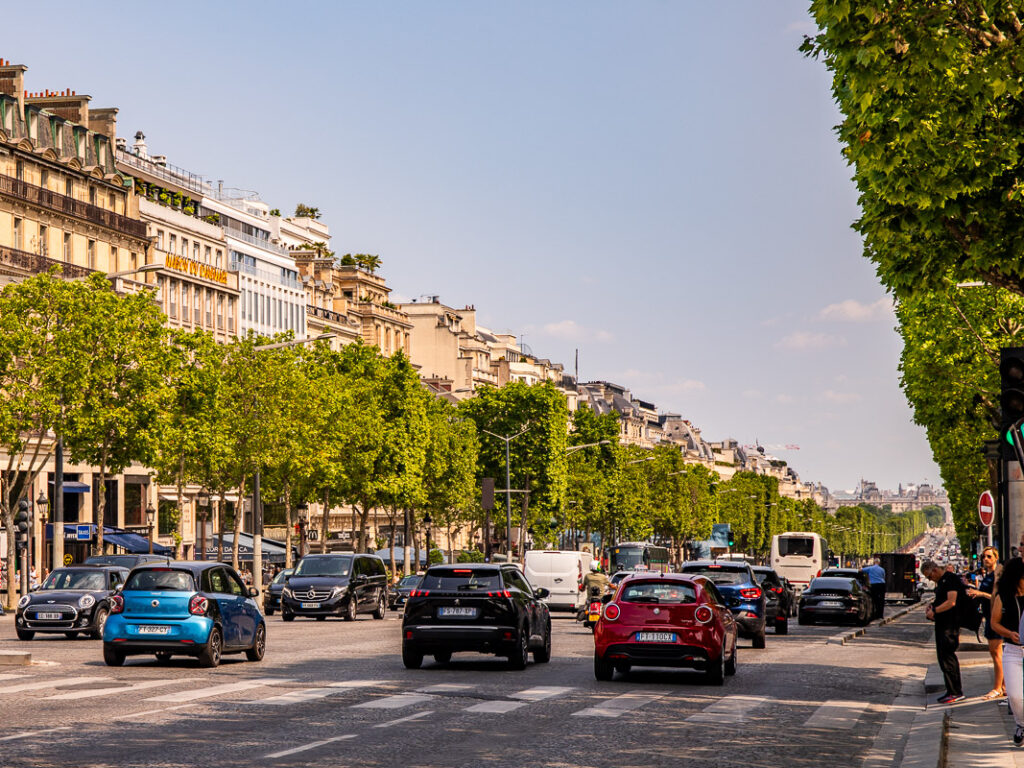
point(719, 574)
point(161, 580)
point(126, 561)
point(836, 583)
point(279, 579)
point(461, 580)
point(324, 566)
point(410, 581)
point(662, 592)
point(796, 545)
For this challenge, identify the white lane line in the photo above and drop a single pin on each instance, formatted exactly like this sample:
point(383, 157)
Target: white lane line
point(496, 707)
point(60, 682)
point(393, 702)
point(620, 704)
point(304, 747)
point(120, 689)
point(312, 694)
point(12, 677)
point(447, 688)
point(541, 692)
point(26, 734)
point(217, 690)
point(406, 719)
point(837, 715)
point(155, 711)
point(731, 709)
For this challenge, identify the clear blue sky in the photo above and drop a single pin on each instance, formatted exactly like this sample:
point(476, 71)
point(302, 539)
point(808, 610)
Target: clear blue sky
point(654, 183)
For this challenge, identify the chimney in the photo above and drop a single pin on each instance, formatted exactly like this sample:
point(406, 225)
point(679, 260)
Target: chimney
point(66, 104)
point(121, 143)
point(160, 160)
point(139, 147)
point(104, 120)
point(12, 82)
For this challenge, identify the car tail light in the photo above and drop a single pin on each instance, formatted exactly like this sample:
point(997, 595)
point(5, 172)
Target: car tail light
point(116, 604)
point(500, 593)
point(595, 607)
point(419, 593)
point(703, 614)
point(751, 593)
point(777, 590)
point(198, 605)
point(611, 611)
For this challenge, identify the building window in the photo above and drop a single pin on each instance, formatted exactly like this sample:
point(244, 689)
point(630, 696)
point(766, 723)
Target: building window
point(231, 315)
point(135, 260)
point(197, 308)
point(160, 239)
point(195, 250)
point(69, 187)
point(219, 257)
point(44, 178)
point(207, 254)
point(173, 240)
point(67, 246)
point(184, 302)
point(115, 266)
point(220, 313)
point(209, 310)
point(18, 226)
point(44, 234)
point(91, 252)
point(172, 296)
point(19, 170)
point(92, 195)
point(184, 247)
point(112, 202)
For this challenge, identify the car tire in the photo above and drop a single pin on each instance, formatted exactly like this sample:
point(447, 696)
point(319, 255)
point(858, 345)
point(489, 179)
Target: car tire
point(443, 658)
point(25, 634)
point(351, 610)
point(519, 658)
point(285, 616)
point(802, 619)
point(623, 667)
point(99, 621)
point(163, 657)
point(71, 635)
point(411, 658)
point(543, 654)
point(268, 611)
point(603, 669)
point(382, 608)
point(781, 626)
point(759, 640)
point(730, 665)
point(112, 657)
point(210, 655)
point(715, 673)
point(259, 644)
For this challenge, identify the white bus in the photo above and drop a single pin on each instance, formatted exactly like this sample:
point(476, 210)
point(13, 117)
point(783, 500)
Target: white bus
point(799, 556)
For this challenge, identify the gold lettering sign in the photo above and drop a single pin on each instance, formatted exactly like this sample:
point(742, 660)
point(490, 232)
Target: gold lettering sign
point(191, 267)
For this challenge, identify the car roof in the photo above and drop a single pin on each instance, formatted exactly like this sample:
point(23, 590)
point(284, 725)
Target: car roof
point(196, 566)
point(728, 565)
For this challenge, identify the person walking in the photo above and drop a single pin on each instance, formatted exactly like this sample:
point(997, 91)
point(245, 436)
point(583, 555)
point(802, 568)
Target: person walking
point(1007, 609)
point(876, 576)
point(947, 628)
point(985, 593)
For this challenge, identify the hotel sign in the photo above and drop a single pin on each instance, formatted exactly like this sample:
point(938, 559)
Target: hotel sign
point(197, 268)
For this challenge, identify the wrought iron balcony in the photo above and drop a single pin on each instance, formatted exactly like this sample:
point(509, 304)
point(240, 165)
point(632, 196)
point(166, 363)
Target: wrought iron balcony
point(71, 207)
point(34, 264)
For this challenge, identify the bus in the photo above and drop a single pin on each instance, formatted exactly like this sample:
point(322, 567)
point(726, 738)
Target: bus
point(799, 556)
point(637, 556)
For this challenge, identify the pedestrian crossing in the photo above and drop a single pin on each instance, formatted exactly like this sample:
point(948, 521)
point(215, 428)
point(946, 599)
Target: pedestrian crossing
point(470, 699)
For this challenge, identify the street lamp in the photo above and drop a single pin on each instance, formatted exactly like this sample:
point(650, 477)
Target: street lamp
point(150, 519)
point(203, 501)
point(427, 520)
point(572, 448)
point(41, 504)
point(508, 483)
point(303, 509)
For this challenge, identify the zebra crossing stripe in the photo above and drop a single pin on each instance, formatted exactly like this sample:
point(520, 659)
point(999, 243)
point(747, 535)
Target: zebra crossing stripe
point(305, 747)
point(730, 710)
point(619, 705)
point(73, 695)
point(496, 707)
point(398, 701)
point(541, 692)
point(312, 694)
point(60, 682)
point(837, 715)
point(217, 690)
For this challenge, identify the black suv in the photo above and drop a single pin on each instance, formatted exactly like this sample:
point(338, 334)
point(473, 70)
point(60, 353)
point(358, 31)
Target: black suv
point(127, 561)
point(336, 585)
point(481, 608)
point(779, 597)
point(72, 600)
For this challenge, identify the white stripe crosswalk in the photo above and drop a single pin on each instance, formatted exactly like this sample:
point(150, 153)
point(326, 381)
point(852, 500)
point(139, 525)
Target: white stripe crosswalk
point(619, 705)
point(218, 690)
point(837, 715)
point(60, 682)
point(730, 710)
point(312, 694)
point(114, 690)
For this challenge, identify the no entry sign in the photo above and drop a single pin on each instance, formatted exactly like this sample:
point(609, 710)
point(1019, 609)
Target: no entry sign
point(986, 508)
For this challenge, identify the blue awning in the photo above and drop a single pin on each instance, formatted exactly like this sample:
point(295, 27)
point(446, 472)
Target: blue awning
point(135, 544)
point(73, 486)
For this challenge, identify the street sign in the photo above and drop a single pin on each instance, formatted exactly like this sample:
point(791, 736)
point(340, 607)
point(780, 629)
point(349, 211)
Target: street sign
point(83, 532)
point(68, 559)
point(986, 508)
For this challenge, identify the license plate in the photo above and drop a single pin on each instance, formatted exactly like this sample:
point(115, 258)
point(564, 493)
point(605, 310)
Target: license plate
point(655, 637)
point(310, 605)
point(456, 613)
point(48, 616)
point(593, 616)
point(830, 604)
point(151, 630)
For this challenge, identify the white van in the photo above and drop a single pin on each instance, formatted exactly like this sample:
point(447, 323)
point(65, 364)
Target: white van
point(559, 572)
point(799, 556)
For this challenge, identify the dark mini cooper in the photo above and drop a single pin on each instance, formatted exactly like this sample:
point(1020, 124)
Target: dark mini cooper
point(272, 599)
point(72, 600)
point(399, 595)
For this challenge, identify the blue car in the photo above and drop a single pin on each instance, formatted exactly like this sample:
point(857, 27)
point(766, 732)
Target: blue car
point(199, 609)
point(739, 589)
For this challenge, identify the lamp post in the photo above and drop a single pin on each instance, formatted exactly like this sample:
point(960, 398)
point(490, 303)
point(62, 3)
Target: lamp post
point(303, 522)
point(508, 485)
point(150, 519)
point(203, 502)
point(427, 520)
point(41, 504)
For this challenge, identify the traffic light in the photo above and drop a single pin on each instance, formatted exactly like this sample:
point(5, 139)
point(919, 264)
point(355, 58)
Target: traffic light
point(1011, 399)
point(732, 539)
point(22, 522)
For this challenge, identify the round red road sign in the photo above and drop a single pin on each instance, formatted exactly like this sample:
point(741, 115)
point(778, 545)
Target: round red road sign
point(986, 508)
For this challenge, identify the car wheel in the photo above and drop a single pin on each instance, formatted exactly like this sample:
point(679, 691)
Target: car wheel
point(730, 665)
point(162, 657)
point(210, 655)
point(99, 622)
point(443, 657)
point(603, 669)
point(112, 657)
point(781, 626)
point(25, 634)
point(285, 616)
point(715, 673)
point(269, 611)
point(350, 610)
point(70, 635)
point(543, 655)
point(802, 619)
point(382, 608)
point(759, 639)
point(411, 658)
point(521, 655)
point(623, 667)
point(259, 644)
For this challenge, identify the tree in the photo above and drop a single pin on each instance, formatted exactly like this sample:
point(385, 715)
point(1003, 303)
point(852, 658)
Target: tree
point(367, 262)
point(303, 211)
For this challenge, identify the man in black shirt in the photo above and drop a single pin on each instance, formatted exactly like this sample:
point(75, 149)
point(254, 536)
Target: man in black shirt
point(947, 627)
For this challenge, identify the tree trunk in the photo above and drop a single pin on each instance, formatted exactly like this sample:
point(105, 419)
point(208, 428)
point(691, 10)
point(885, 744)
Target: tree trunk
point(326, 521)
point(364, 514)
point(406, 543)
point(391, 540)
point(101, 504)
point(179, 479)
point(290, 524)
point(220, 526)
point(239, 514)
point(8, 514)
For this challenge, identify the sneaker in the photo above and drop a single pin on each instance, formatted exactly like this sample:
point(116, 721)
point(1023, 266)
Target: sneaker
point(950, 698)
point(1018, 736)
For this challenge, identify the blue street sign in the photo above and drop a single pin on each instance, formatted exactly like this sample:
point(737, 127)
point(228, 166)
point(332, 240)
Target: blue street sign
point(84, 532)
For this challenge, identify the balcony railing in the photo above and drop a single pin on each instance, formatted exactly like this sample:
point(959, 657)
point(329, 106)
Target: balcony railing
point(259, 242)
point(71, 207)
point(168, 172)
point(329, 314)
point(34, 264)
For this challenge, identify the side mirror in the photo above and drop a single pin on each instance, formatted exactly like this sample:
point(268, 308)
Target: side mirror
point(540, 593)
point(253, 592)
point(607, 598)
point(360, 579)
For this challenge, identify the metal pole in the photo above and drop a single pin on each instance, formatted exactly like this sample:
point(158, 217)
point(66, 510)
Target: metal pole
point(58, 504)
point(508, 502)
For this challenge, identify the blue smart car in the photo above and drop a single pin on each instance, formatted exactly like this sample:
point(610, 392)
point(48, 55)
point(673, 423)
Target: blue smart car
point(184, 608)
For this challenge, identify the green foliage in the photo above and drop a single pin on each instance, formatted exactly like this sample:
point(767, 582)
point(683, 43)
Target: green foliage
point(469, 556)
point(306, 211)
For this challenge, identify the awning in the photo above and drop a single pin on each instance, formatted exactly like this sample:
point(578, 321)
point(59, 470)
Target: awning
point(73, 486)
point(271, 551)
point(135, 544)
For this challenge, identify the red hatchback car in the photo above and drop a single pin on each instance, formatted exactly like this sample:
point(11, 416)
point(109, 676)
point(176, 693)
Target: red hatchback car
point(666, 620)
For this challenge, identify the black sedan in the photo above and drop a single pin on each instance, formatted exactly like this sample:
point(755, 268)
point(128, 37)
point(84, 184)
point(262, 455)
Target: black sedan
point(398, 596)
point(835, 599)
point(849, 573)
point(72, 600)
point(778, 598)
point(480, 608)
point(272, 599)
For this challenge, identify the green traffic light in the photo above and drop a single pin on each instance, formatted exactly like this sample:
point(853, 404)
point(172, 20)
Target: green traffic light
point(1009, 436)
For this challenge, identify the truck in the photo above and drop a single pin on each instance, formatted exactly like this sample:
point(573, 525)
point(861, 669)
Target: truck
point(900, 577)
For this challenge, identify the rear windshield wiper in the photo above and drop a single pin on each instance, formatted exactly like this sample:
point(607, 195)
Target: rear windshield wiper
point(470, 587)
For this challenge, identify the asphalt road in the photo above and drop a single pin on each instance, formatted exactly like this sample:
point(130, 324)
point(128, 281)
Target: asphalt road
point(334, 693)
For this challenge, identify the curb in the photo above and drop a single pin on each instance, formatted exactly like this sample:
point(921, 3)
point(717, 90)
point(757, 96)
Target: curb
point(845, 637)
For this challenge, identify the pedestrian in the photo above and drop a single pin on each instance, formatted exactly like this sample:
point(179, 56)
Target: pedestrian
point(1007, 610)
point(947, 628)
point(985, 593)
point(876, 575)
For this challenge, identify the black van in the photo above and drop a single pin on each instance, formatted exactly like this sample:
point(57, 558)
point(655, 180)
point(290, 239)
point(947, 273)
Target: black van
point(341, 584)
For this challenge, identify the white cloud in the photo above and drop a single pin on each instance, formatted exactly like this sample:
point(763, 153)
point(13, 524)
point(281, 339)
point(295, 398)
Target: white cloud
point(808, 340)
point(570, 330)
point(852, 311)
point(785, 399)
point(841, 398)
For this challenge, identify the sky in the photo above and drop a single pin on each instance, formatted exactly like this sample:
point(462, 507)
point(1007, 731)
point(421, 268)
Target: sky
point(655, 184)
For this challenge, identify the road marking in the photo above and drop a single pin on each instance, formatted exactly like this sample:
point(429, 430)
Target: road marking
point(837, 715)
point(447, 688)
point(496, 707)
point(155, 711)
point(620, 704)
point(304, 747)
point(541, 692)
point(120, 689)
point(26, 734)
point(217, 690)
point(312, 694)
point(731, 709)
point(393, 702)
point(406, 719)
point(61, 682)
point(12, 677)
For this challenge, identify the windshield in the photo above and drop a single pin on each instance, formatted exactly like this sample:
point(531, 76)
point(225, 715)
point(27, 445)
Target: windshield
point(75, 579)
point(627, 558)
point(279, 579)
point(324, 566)
point(161, 580)
point(793, 545)
point(718, 574)
point(409, 581)
point(832, 584)
point(126, 561)
point(663, 592)
point(461, 580)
